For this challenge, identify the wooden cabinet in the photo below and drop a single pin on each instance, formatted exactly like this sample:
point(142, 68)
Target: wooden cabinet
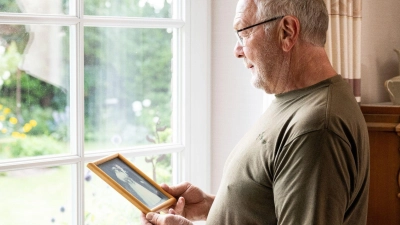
point(383, 122)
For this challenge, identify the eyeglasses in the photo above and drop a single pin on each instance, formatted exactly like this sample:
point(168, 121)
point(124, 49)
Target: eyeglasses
point(240, 38)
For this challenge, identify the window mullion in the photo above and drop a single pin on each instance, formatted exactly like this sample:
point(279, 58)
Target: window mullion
point(79, 110)
point(102, 21)
point(14, 18)
point(138, 152)
point(38, 162)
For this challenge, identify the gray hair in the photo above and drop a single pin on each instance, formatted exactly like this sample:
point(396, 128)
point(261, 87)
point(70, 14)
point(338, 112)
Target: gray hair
point(312, 14)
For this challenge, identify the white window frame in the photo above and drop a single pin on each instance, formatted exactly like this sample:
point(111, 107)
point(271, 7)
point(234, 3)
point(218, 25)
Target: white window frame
point(193, 154)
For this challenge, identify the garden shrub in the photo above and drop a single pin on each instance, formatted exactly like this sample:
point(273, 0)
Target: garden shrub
point(35, 146)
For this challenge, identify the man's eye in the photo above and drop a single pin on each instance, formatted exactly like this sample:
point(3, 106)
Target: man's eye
point(244, 33)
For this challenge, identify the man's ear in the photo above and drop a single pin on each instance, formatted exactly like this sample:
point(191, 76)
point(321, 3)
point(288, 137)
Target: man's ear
point(289, 32)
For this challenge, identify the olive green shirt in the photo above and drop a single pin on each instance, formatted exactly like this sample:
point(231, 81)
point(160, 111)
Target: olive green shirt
point(306, 161)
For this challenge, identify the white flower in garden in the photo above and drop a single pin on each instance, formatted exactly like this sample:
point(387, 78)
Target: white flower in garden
point(6, 75)
point(146, 102)
point(137, 106)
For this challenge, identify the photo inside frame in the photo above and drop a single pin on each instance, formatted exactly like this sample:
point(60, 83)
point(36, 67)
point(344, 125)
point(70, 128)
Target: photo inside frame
point(134, 183)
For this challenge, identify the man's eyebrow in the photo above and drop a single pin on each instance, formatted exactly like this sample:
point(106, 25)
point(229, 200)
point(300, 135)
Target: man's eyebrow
point(238, 22)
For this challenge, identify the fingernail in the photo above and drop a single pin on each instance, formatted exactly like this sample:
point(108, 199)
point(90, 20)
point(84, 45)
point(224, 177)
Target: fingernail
point(149, 216)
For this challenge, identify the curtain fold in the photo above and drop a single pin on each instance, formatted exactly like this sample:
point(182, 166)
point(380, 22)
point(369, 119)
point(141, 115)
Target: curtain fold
point(343, 43)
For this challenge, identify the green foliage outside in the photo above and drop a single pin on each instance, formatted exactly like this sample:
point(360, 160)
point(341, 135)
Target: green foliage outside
point(35, 146)
point(123, 64)
point(140, 75)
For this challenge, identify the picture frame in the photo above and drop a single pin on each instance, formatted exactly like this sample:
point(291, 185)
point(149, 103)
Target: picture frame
point(132, 183)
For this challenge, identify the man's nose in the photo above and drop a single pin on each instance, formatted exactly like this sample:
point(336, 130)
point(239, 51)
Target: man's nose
point(238, 50)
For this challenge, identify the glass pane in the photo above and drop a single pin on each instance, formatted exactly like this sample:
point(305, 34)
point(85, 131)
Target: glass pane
point(34, 87)
point(104, 205)
point(127, 87)
point(130, 8)
point(36, 196)
point(35, 6)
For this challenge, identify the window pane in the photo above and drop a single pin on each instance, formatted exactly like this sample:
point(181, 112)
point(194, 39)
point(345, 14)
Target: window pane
point(35, 6)
point(125, 8)
point(36, 196)
point(104, 205)
point(127, 87)
point(34, 87)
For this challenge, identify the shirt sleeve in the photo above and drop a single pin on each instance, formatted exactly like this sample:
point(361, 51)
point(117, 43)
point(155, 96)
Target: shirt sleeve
point(313, 179)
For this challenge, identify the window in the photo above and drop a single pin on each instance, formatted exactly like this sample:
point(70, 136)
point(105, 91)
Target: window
point(84, 79)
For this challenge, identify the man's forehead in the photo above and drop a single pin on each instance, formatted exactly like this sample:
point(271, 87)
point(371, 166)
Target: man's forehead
point(245, 6)
point(245, 11)
point(241, 5)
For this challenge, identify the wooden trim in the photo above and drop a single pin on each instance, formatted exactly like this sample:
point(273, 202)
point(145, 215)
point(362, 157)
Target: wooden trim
point(380, 108)
point(382, 118)
point(389, 127)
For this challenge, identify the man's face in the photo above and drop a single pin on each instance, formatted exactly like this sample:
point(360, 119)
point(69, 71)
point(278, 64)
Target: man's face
point(261, 52)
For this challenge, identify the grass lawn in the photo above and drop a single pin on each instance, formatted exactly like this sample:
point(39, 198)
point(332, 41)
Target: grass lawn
point(35, 196)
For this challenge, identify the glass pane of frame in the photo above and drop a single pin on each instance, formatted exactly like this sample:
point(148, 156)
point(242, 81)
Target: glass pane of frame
point(34, 90)
point(104, 205)
point(128, 87)
point(60, 7)
point(36, 196)
point(130, 8)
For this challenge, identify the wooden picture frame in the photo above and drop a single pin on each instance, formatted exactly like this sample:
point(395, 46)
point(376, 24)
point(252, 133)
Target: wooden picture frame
point(132, 183)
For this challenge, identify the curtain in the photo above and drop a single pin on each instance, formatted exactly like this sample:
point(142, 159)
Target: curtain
point(343, 43)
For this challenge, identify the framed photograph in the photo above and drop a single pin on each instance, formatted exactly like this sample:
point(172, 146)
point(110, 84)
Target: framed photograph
point(132, 183)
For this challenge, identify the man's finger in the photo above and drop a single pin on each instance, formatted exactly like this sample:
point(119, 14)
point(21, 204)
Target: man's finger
point(168, 219)
point(152, 216)
point(165, 187)
point(144, 220)
point(177, 190)
point(180, 205)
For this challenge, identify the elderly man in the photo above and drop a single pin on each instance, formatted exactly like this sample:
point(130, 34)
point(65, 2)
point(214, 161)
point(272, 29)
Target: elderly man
point(306, 160)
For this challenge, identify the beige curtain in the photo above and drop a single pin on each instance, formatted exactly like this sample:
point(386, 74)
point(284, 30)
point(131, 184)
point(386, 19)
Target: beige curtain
point(344, 40)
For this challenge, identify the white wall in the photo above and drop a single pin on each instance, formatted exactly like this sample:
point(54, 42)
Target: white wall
point(236, 104)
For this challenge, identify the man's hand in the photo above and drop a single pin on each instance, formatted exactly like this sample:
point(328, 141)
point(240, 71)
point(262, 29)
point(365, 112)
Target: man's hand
point(193, 203)
point(166, 219)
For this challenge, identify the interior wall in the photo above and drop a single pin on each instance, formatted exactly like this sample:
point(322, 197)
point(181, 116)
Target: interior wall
point(236, 104)
point(380, 35)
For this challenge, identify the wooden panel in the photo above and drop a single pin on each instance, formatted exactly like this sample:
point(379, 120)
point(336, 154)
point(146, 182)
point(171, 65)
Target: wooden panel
point(383, 122)
point(384, 204)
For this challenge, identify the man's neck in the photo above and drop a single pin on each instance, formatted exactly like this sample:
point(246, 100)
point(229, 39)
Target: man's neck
point(309, 65)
